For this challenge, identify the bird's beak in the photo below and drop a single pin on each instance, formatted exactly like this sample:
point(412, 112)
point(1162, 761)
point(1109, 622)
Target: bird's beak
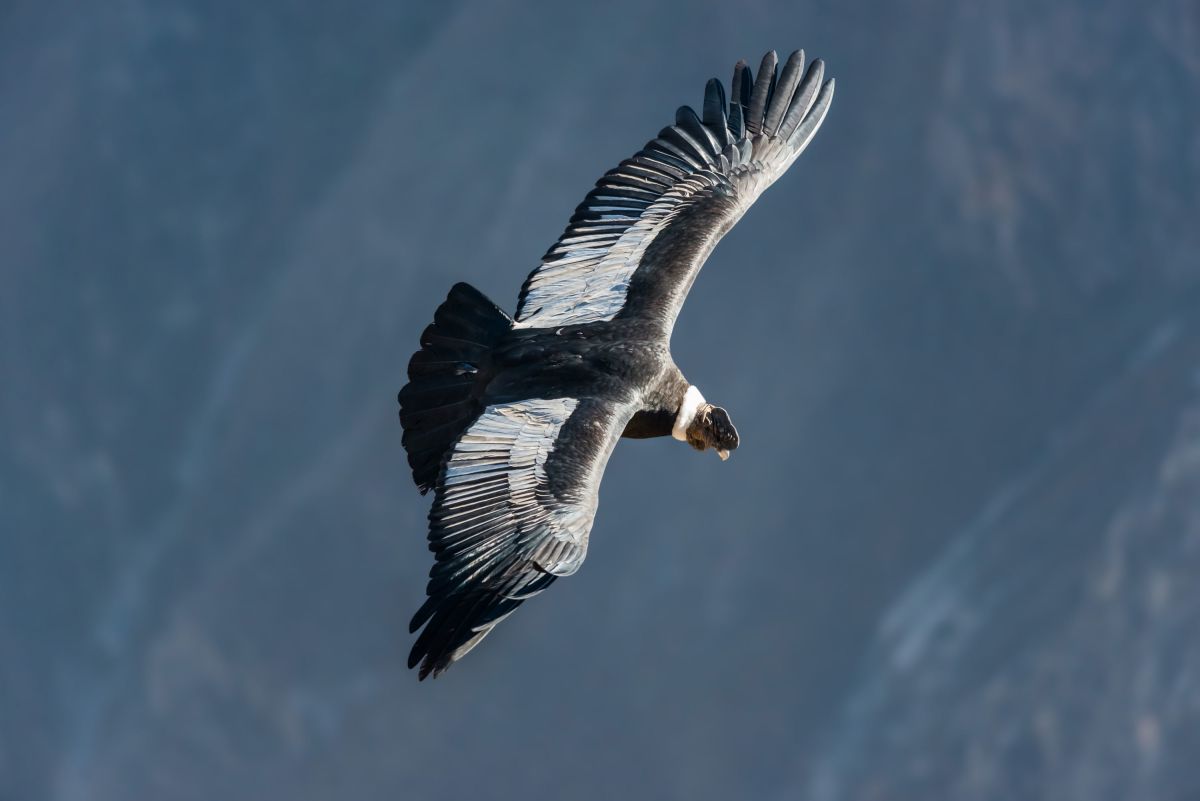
point(724, 454)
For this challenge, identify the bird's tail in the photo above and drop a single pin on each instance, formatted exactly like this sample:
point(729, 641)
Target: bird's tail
point(446, 378)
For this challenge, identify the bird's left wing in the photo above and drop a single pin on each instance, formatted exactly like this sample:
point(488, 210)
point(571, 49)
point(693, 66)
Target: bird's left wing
point(635, 244)
point(513, 509)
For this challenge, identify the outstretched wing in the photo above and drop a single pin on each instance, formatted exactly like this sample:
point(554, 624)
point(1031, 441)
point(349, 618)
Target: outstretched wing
point(513, 508)
point(638, 239)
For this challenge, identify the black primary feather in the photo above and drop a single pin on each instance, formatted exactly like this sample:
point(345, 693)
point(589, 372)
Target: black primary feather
point(714, 112)
point(782, 96)
point(803, 100)
point(740, 87)
point(761, 93)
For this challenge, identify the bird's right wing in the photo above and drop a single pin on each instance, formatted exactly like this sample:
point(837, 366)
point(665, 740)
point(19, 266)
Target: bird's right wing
point(639, 238)
point(513, 509)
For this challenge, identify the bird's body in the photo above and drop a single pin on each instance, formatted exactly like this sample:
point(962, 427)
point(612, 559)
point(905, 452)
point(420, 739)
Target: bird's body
point(512, 421)
point(616, 360)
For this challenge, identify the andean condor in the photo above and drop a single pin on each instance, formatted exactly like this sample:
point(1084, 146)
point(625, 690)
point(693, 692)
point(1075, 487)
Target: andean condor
point(511, 420)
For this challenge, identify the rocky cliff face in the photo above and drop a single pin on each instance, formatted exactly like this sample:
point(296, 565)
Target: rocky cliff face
point(1048, 652)
point(953, 558)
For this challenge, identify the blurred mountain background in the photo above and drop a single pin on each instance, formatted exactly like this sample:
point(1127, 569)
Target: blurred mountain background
point(956, 556)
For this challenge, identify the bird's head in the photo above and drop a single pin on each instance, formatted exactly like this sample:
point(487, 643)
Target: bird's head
point(712, 428)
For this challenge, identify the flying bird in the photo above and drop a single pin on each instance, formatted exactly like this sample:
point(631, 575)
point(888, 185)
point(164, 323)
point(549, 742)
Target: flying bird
point(511, 420)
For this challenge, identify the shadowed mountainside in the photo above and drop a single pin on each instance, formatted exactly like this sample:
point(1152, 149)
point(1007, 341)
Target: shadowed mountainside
point(953, 558)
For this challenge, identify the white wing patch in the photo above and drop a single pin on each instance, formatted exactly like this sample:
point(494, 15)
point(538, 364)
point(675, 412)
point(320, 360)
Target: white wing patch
point(580, 282)
point(502, 528)
point(731, 152)
point(505, 450)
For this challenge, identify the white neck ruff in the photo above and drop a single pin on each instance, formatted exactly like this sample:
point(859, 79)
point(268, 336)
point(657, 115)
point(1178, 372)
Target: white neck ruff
point(692, 401)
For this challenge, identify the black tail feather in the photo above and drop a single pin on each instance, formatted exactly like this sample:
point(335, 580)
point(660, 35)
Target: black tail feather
point(446, 378)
